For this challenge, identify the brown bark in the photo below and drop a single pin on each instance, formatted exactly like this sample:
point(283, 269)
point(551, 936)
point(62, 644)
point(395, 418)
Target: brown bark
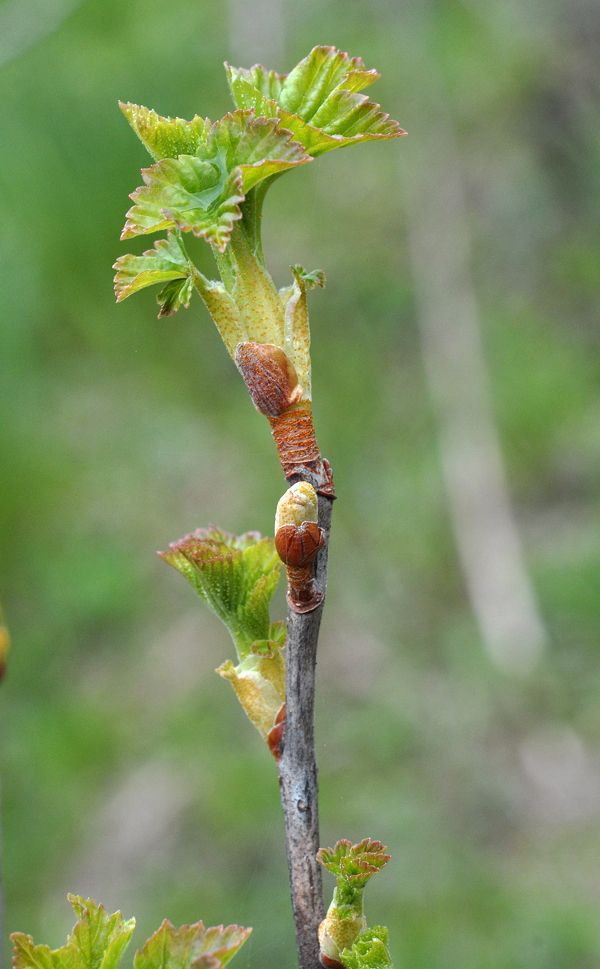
point(297, 766)
point(294, 435)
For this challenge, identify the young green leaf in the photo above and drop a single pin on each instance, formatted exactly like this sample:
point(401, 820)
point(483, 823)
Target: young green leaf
point(193, 194)
point(370, 951)
point(235, 575)
point(202, 192)
point(190, 946)
point(175, 294)
point(318, 101)
point(166, 137)
point(260, 146)
point(354, 864)
point(312, 279)
point(97, 941)
point(166, 262)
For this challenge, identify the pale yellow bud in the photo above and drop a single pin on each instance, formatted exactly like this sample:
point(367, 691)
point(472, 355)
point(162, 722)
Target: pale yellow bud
point(299, 504)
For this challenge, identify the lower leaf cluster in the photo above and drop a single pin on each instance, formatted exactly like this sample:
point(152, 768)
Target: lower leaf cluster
point(99, 939)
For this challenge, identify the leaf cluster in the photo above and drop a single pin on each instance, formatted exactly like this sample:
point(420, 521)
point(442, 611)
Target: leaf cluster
point(207, 177)
point(354, 864)
point(370, 951)
point(99, 939)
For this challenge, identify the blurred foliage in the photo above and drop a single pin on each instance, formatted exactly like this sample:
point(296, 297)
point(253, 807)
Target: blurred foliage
point(127, 772)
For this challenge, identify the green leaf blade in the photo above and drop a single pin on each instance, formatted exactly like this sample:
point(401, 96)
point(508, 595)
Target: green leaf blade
point(165, 137)
point(190, 946)
point(98, 941)
point(175, 295)
point(202, 192)
point(318, 101)
point(323, 70)
point(259, 146)
point(165, 262)
point(267, 83)
point(28, 955)
point(370, 951)
point(193, 194)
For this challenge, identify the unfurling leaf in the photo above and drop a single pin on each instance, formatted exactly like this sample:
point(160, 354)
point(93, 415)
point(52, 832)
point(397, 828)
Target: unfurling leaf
point(259, 146)
point(235, 575)
point(311, 279)
point(97, 941)
point(166, 264)
point(175, 294)
point(166, 137)
point(259, 680)
point(189, 193)
point(201, 192)
point(353, 866)
point(370, 951)
point(191, 946)
point(318, 101)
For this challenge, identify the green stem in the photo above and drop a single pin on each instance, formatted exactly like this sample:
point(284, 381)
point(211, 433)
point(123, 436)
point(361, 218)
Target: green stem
point(227, 267)
point(252, 218)
point(346, 896)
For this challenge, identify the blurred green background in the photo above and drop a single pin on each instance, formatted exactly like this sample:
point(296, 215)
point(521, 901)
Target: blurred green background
point(458, 722)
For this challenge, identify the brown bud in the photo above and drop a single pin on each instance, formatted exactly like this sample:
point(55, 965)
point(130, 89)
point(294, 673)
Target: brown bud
point(297, 545)
point(270, 377)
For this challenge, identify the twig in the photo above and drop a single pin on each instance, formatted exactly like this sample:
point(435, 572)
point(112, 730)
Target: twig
point(298, 768)
point(262, 25)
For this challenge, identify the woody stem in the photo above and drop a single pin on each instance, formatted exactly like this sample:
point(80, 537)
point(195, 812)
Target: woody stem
point(298, 767)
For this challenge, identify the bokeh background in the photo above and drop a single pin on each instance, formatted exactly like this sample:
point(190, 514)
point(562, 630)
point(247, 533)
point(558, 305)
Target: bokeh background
point(456, 379)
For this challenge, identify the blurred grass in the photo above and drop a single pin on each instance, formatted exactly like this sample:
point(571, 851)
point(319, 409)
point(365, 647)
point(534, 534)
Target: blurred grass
point(127, 769)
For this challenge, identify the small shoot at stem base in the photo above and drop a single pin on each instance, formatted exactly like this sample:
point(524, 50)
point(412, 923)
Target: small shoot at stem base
point(345, 922)
point(236, 575)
